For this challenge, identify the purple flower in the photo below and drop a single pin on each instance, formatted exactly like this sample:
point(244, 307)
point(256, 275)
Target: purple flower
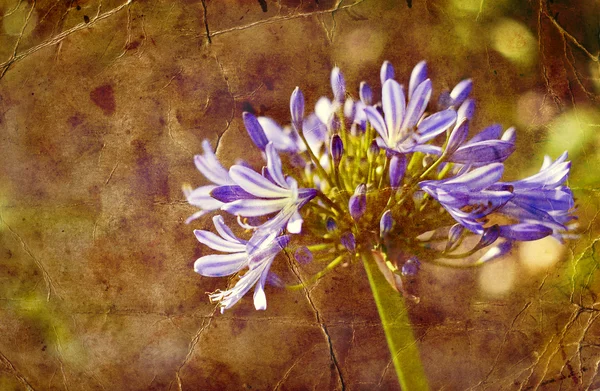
point(398, 128)
point(540, 200)
point(209, 166)
point(470, 189)
point(256, 195)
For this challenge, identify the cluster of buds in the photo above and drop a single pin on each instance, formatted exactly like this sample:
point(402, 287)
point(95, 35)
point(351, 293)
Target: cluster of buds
point(400, 177)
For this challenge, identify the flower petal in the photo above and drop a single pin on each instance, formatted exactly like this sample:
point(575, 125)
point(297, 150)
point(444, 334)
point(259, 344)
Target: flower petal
point(477, 179)
point(274, 166)
point(490, 151)
point(225, 231)
point(255, 207)
point(220, 265)
point(281, 140)
point(525, 231)
point(230, 193)
point(217, 243)
point(417, 105)
point(256, 184)
point(255, 130)
point(377, 121)
point(417, 76)
point(435, 124)
point(393, 103)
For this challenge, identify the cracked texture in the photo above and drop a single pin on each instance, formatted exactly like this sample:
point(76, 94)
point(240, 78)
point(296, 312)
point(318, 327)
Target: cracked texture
point(103, 104)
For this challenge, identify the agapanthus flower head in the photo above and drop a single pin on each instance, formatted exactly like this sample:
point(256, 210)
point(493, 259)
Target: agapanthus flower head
point(355, 176)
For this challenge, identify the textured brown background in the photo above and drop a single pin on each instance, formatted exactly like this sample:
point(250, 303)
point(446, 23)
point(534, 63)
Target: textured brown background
point(103, 105)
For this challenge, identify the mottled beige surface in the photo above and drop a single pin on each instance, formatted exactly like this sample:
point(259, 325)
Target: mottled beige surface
point(103, 105)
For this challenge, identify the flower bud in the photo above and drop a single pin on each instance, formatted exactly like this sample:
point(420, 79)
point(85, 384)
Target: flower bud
point(454, 235)
point(338, 85)
point(387, 72)
point(303, 255)
point(365, 93)
point(297, 108)
point(336, 149)
point(255, 130)
point(373, 150)
point(411, 267)
point(397, 170)
point(331, 225)
point(349, 241)
point(488, 237)
point(386, 223)
point(358, 202)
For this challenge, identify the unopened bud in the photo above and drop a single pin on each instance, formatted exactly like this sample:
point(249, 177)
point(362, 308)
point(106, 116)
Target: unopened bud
point(411, 267)
point(297, 108)
point(358, 202)
point(349, 241)
point(331, 225)
point(338, 85)
point(337, 149)
point(386, 223)
point(387, 72)
point(397, 170)
point(365, 93)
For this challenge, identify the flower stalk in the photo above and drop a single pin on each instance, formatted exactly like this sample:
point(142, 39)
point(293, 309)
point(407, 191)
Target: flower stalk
point(397, 327)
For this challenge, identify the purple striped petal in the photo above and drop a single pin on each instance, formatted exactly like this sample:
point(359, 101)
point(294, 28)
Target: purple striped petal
point(217, 243)
point(281, 140)
point(461, 92)
point(230, 193)
point(490, 151)
point(417, 105)
point(220, 265)
point(225, 231)
point(255, 130)
point(492, 132)
point(387, 72)
point(393, 103)
point(377, 121)
point(256, 184)
point(417, 76)
point(466, 110)
point(525, 231)
point(457, 137)
point(477, 179)
point(435, 124)
point(255, 207)
point(209, 165)
point(274, 166)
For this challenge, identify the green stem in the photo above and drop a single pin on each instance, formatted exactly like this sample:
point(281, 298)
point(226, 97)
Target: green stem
point(397, 327)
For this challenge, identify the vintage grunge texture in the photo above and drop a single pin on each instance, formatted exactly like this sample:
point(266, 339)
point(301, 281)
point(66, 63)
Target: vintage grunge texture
point(103, 104)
